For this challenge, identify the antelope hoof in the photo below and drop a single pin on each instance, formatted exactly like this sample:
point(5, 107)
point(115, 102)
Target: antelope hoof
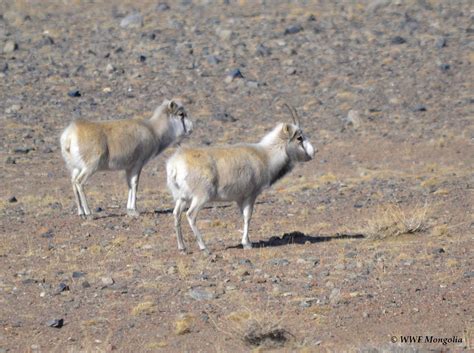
point(247, 246)
point(133, 213)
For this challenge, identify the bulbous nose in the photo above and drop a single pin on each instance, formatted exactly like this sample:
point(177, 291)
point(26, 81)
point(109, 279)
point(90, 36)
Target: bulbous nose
point(189, 126)
point(310, 150)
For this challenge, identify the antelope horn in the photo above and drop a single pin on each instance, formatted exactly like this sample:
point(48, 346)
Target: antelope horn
point(294, 114)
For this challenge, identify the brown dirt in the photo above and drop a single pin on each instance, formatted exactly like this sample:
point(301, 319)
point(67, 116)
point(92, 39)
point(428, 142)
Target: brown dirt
point(320, 287)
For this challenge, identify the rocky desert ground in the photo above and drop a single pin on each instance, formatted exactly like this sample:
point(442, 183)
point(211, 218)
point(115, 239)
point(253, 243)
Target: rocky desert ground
point(354, 251)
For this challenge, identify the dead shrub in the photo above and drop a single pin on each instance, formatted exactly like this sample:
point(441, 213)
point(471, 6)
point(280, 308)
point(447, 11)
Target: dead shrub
point(392, 221)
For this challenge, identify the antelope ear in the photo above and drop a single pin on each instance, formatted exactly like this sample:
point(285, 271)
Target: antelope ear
point(289, 130)
point(172, 106)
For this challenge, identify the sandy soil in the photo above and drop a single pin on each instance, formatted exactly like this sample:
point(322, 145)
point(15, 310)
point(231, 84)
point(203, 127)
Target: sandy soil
point(385, 92)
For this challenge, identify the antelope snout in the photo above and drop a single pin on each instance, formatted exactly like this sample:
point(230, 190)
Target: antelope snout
point(189, 126)
point(310, 150)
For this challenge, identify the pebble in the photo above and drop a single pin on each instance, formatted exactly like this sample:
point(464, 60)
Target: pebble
point(10, 46)
point(224, 34)
point(162, 6)
point(149, 231)
point(335, 296)
point(213, 59)
point(78, 274)
point(85, 284)
point(232, 75)
point(398, 40)
point(57, 323)
point(107, 281)
point(469, 274)
point(4, 67)
point(262, 50)
point(279, 262)
point(291, 71)
point(419, 108)
point(74, 93)
point(225, 117)
point(353, 119)
point(441, 43)
point(13, 109)
point(134, 20)
point(10, 160)
point(253, 84)
point(445, 67)
point(110, 68)
point(63, 287)
point(12, 199)
point(201, 294)
point(48, 234)
point(293, 29)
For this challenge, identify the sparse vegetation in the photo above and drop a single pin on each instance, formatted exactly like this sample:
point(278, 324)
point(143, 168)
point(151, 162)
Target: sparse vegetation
point(392, 221)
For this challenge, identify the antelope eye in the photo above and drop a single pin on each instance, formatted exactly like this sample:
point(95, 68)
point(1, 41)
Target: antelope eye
point(300, 138)
point(181, 114)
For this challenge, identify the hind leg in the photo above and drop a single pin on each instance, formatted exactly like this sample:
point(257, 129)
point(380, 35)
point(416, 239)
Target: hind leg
point(196, 205)
point(177, 212)
point(79, 183)
point(74, 174)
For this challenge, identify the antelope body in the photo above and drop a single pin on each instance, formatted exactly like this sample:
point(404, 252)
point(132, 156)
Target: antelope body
point(88, 147)
point(237, 173)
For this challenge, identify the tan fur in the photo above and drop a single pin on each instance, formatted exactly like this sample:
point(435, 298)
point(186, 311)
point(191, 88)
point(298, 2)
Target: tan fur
point(127, 145)
point(232, 173)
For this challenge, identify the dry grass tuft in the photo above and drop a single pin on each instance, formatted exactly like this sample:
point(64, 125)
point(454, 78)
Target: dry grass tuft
point(392, 221)
point(147, 307)
point(255, 328)
point(183, 324)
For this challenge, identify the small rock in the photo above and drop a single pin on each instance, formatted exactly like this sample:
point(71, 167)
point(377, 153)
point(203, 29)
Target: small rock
point(162, 6)
point(419, 108)
point(48, 234)
point(398, 40)
point(225, 117)
point(305, 304)
point(279, 262)
point(293, 29)
point(57, 323)
point(262, 50)
point(134, 20)
point(109, 68)
point(85, 284)
point(245, 262)
point(365, 315)
point(213, 59)
point(353, 118)
point(149, 231)
point(253, 84)
point(444, 67)
point(10, 46)
point(78, 274)
point(98, 209)
point(10, 160)
point(224, 34)
point(311, 18)
point(15, 108)
point(291, 71)
point(441, 43)
point(12, 199)
point(107, 281)
point(335, 296)
point(232, 75)
point(351, 254)
point(46, 40)
point(469, 274)
point(171, 270)
point(74, 93)
point(4, 67)
point(201, 294)
point(63, 287)
point(439, 251)
point(142, 58)
point(376, 5)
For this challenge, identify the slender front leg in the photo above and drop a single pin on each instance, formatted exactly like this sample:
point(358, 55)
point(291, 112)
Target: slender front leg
point(177, 212)
point(196, 205)
point(247, 210)
point(133, 177)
